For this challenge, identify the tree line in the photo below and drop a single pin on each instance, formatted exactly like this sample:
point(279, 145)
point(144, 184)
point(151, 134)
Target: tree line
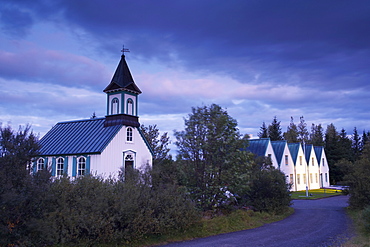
point(339, 146)
point(212, 174)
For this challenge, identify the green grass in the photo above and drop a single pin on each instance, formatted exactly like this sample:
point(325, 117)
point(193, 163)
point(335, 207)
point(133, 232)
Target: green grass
point(236, 221)
point(316, 194)
point(362, 238)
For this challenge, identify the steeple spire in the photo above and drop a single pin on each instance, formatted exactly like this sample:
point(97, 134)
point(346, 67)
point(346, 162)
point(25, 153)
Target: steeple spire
point(122, 78)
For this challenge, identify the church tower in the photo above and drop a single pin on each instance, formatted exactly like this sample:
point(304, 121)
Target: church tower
point(122, 97)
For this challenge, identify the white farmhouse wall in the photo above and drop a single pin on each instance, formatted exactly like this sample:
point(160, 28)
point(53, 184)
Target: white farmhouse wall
point(288, 170)
point(324, 170)
point(270, 151)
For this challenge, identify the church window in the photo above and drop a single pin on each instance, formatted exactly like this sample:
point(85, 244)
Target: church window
point(81, 166)
point(60, 166)
point(130, 107)
point(40, 164)
point(115, 106)
point(129, 134)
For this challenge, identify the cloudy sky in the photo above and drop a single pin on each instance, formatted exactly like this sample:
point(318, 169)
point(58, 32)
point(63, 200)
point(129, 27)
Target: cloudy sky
point(257, 59)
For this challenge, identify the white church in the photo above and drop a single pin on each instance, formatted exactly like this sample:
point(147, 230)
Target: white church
point(99, 146)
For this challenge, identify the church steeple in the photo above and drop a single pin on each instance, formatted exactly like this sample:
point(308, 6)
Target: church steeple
point(122, 79)
point(122, 97)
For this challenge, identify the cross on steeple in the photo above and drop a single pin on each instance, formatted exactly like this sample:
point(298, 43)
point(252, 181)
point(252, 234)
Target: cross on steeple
point(124, 50)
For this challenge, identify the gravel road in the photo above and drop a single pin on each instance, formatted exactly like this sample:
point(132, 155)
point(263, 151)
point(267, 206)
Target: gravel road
point(314, 223)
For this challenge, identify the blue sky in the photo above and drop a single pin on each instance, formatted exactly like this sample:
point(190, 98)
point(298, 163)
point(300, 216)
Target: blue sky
point(258, 59)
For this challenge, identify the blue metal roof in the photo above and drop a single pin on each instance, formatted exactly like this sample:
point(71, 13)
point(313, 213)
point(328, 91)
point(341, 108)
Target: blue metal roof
point(294, 148)
point(318, 152)
point(278, 147)
point(307, 151)
point(258, 146)
point(78, 137)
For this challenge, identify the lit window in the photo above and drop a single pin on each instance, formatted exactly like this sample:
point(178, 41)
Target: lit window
point(115, 106)
point(129, 134)
point(60, 166)
point(40, 164)
point(311, 181)
point(81, 166)
point(286, 159)
point(304, 179)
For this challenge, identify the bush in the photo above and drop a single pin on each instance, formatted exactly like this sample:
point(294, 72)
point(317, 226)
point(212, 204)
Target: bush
point(269, 191)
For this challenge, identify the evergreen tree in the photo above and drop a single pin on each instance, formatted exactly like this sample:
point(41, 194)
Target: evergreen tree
point(356, 144)
point(302, 131)
point(211, 156)
point(263, 131)
point(344, 147)
point(365, 139)
point(274, 130)
point(317, 135)
point(291, 135)
point(332, 152)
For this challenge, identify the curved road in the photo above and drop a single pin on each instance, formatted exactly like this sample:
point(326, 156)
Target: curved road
point(314, 223)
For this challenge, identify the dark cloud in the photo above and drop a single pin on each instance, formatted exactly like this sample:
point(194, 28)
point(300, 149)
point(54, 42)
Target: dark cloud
point(320, 49)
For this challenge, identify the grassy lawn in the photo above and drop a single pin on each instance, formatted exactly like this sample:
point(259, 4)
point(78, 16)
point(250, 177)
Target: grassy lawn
point(236, 221)
point(315, 194)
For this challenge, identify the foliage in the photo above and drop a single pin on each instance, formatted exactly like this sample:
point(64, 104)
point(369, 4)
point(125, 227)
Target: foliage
point(317, 135)
point(268, 188)
point(211, 156)
point(23, 198)
point(302, 131)
point(356, 144)
point(159, 144)
point(263, 131)
point(274, 130)
point(358, 181)
point(291, 135)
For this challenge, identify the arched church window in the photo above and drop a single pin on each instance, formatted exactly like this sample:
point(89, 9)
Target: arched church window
point(129, 134)
point(130, 107)
point(115, 106)
point(41, 164)
point(81, 166)
point(60, 166)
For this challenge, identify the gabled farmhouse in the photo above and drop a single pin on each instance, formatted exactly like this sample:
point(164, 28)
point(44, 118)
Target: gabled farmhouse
point(323, 166)
point(300, 166)
point(99, 146)
point(312, 167)
point(285, 161)
point(263, 147)
point(304, 166)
